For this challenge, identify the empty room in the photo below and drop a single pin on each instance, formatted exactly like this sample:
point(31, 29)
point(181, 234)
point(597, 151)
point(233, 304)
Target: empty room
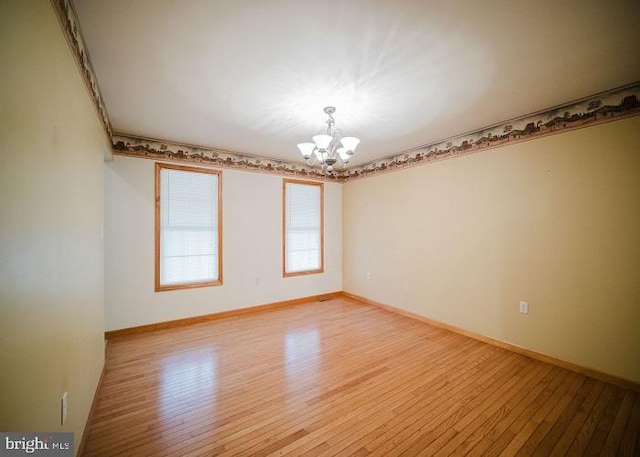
point(293, 228)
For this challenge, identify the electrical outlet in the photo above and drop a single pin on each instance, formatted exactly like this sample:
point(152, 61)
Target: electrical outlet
point(524, 307)
point(63, 408)
point(368, 275)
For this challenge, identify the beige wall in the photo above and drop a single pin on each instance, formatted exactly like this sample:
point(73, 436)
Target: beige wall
point(555, 221)
point(252, 248)
point(51, 214)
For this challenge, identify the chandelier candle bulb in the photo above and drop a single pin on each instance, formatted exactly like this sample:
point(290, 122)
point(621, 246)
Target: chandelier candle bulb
point(330, 147)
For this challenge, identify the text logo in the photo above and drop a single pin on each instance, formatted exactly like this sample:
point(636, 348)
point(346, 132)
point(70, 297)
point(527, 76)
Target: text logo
point(36, 443)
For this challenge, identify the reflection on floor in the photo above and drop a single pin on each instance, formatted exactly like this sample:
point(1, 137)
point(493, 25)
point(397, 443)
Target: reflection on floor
point(342, 378)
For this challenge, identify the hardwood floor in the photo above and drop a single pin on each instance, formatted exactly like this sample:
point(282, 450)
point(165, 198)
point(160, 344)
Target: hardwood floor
point(342, 378)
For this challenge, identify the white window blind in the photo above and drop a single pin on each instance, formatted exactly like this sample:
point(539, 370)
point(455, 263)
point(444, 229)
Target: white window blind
point(189, 251)
point(303, 226)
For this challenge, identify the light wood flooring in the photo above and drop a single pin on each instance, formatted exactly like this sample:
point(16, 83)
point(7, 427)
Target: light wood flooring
point(343, 378)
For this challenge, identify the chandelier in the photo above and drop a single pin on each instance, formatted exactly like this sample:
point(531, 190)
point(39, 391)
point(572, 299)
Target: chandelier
point(329, 147)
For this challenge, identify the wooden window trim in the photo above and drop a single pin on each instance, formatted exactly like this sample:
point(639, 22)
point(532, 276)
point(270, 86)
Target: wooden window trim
point(286, 181)
point(190, 285)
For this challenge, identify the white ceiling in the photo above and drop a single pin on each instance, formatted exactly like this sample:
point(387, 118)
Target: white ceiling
point(252, 76)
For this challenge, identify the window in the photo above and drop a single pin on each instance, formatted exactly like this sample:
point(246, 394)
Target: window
point(188, 227)
point(303, 227)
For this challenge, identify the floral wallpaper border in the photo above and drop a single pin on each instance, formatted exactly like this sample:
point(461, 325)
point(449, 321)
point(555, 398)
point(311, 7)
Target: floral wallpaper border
point(71, 28)
point(159, 150)
point(597, 109)
point(594, 110)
